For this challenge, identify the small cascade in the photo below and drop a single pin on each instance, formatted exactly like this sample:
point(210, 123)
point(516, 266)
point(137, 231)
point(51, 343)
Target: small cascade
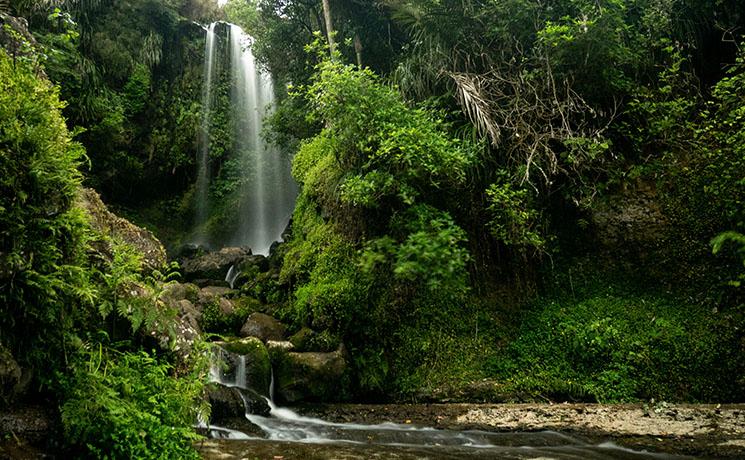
point(271, 386)
point(202, 185)
point(228, 369)
point(232, 275)
point(283, 424)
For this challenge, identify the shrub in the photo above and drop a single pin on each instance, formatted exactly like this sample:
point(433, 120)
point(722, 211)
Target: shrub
point(129, 405)
point(42, 234)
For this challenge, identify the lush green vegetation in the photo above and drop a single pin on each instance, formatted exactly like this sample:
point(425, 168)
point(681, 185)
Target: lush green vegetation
point(544, 197)
point(67, 314)
point(553, 158)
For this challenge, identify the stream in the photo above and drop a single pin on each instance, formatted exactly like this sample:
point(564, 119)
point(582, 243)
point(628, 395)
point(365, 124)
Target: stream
point(287, 434)
point(291, 435)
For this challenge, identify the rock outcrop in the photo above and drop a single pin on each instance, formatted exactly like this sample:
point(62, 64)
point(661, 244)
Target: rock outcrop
point(109, 225)
point(633, 218)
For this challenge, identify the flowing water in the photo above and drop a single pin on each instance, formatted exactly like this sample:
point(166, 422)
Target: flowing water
point(291, 435)
point(266, 192)
point(202, 185)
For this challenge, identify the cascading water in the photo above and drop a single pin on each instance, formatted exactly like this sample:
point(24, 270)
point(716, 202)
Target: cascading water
point(389, 439)
point(202, 185)
point(266, 193)
point(267, 189)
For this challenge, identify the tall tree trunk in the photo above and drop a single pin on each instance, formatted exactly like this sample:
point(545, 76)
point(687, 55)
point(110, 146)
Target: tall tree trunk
point(358, 49)
point(329, 26)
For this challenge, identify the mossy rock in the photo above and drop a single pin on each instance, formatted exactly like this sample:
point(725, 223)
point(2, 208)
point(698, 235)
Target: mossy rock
point(302, 339)
point(258, 367)
point(219, 319)
point(307, 339)
point(310, 376)
point(264, 327)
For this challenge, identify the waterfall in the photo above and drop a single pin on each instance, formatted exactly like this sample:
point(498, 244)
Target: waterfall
point(202, 185)
point(267, 189)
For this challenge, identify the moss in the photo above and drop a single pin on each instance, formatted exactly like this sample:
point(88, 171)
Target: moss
point(258, 366)
point(216, 321)
point(614, 345)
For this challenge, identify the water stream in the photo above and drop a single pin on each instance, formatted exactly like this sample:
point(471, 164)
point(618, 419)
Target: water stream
point(285, 429)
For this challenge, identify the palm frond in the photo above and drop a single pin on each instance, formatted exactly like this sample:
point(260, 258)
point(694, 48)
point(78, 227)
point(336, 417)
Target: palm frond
point(475, 105)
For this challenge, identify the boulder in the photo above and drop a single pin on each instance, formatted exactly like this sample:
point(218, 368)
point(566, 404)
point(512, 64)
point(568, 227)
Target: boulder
point(245, 363)
point(179, 335)
point(190, 251)
point(277, 347)
point(110, 226)
point(255, 263)
point(264, 327)
point(207, 294)
point(233, 402)
point(213, 265)
point(203, 283)
point(310, 376)
point(177, 291)
point(214, 295)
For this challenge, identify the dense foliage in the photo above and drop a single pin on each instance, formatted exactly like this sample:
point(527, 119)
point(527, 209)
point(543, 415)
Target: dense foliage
point(567, 159)
point(63, 296)
point(544, 197)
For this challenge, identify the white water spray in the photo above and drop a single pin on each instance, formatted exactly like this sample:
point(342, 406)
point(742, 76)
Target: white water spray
point(202, 185)
point(267, 189)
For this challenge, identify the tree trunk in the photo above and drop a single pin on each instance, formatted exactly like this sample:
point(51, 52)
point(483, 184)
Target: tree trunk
point(329, 26)
point(358, 50)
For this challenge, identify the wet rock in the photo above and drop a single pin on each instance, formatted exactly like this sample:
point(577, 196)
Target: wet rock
point(250, 357)
point(264, 327)
point(232, 402)
point(213, 265)
point(31, 424)
point(110, 226)
point(10, 376)
point(310, 376)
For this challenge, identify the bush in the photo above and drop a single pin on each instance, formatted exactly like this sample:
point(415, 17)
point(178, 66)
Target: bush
point(618, 346)
point(128, 405)
point(42, 234)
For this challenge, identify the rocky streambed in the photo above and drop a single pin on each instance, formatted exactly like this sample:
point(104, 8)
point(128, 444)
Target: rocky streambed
point(507, 431)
